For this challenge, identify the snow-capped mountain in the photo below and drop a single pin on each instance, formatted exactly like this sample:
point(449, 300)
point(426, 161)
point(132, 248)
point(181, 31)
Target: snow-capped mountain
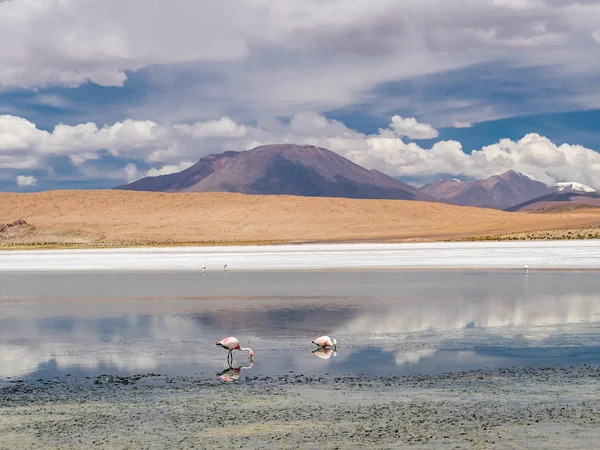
point(498, 191)
point(572, 186)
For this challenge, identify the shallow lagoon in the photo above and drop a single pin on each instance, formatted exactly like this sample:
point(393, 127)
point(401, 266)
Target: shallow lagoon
point(386, 322)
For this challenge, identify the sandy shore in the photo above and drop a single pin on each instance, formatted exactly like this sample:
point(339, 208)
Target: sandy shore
point(550, 408)
point(123, 218)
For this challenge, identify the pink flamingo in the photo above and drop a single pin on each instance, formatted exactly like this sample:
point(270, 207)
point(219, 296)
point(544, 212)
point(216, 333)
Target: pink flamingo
point(325, 342)
point(230, 343)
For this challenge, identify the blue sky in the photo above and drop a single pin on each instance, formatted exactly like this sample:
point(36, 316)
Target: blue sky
point(96, 95)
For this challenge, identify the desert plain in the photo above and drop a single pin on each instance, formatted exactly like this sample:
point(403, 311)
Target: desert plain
point(107, 218)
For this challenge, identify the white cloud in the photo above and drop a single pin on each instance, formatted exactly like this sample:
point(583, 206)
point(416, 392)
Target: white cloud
point(22, 144)
point(81, 158)
point(13, 160)
point(224, 127)
point(533, 155)
point(412, 129)
point(169, 145)
point(462, 125)
point(23, 180)
point(17, 133)
point(131, 172)
point(168, 169)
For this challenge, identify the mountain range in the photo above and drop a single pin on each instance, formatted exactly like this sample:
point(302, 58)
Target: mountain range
point(307, 170)
point(285, 169)
point(498, 191)
point(503, 191)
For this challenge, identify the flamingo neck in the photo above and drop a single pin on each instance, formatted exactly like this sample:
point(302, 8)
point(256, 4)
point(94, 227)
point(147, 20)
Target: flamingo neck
point(245, 349)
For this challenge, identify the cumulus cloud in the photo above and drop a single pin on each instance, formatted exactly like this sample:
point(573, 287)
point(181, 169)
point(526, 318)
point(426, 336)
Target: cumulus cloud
point(22, 144)
point(24, 180)
point(224, 127)
point(169, 148)
point(131, 172)
point(462, 125)
point(80, 158)
point(168, 169)
point(533, 155)
point(412, 129)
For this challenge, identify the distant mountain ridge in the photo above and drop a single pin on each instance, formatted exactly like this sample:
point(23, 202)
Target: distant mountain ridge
point(566, 200)
point(445, 188)
point(282, 169)
point(499, 191)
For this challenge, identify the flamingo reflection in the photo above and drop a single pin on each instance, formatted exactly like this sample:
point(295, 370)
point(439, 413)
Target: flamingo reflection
point(232, 374)
point(324, 353)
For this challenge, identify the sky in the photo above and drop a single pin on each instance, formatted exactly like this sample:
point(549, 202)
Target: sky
point(98, 93)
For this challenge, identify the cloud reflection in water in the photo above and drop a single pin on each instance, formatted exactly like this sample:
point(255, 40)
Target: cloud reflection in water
point(414, 328)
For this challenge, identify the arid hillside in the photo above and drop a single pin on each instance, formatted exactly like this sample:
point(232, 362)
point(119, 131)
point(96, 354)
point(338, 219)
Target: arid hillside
point(119, 218)
point(282, 169)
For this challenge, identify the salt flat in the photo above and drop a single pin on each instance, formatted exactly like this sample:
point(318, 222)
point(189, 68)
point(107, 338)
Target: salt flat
point(459, 255)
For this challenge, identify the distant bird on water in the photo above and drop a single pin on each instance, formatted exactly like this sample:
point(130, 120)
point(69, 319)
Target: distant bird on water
point(325, 342)
point(203, 269)
point(225, 268)
point(231, 343)
point(526, 267)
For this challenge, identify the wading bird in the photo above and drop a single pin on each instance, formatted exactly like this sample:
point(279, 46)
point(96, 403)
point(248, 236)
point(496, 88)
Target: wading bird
point(526, 267)
point(230, 343)
point(203, 269)
point(225, 268)
point(325, 342)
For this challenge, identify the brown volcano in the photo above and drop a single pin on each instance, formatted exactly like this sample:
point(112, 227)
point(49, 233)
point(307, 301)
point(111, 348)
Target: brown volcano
point(284, 169)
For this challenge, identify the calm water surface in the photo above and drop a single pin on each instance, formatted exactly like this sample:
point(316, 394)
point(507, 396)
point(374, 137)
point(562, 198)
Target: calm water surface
point(385, 322)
